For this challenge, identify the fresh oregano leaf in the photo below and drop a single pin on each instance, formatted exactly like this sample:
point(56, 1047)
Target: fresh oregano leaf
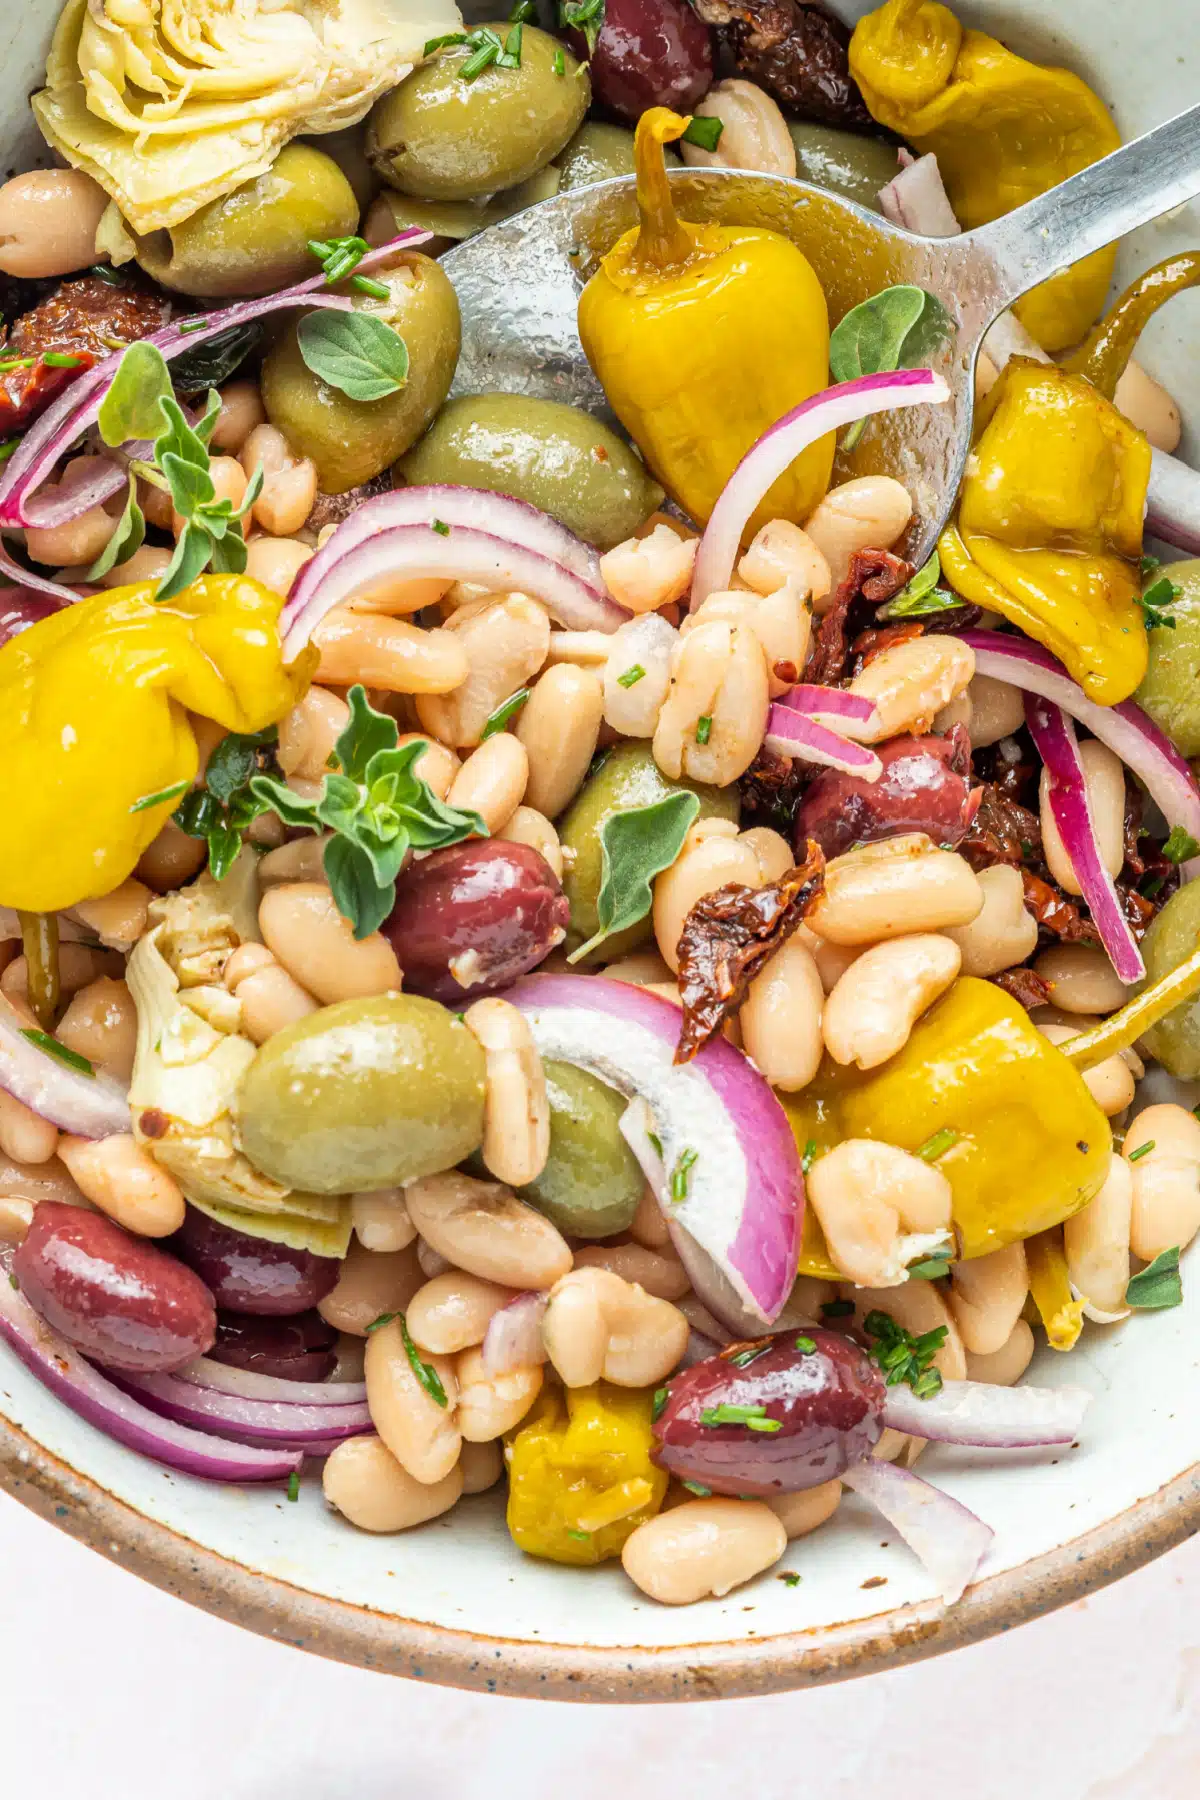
point(364, 732)
point(191, 558)
point(1181, 846)
point(357, 895)
point(235, 759)
point(1158, 1285)
point(635, 846)
point(223, 809)
point(132, 407)
point(922, 595)
point(356, 352)
point(704, 132)
point(128, 538)
point(900, 328)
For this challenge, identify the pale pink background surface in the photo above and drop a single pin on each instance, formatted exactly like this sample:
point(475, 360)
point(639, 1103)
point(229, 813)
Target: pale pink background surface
point(111, 1691)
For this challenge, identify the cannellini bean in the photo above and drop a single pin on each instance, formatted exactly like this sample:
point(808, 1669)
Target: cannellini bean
point(269, 997)
point(899, 886)
point(698, 870)
point(659, 1271)
point(1147, 404)
point(171, 859)
point(229, 483)
point(24, 1134)
point(369, 1285)
point(125, 1182)
point(388, 653)
point(802, 1512)
point(590, 649)
point(597, 1326)
point(482, 1466)
point(241, 411)
point(879, 1208)
point(771, 850)
point(718, 694)
point(502, 645)
point(301, 860)
point(780, 553)
point(643, 574)
point(432, 1263)
point(381, 1221)
point(911, 681)
point(1004, 1367)
point(645, 968)
point(648, 1226)
point(1162, 1148)
point(1003, 932)
point(832, 960)
point(872, 1010)
point(118, 918)
point(16, 1216)
point(1104, 778)
point(289, 486)
point(997, 710)
point(955, 712)
point(781, 1019)
point(397, 595)
point(276, 561)
point(148, 563)
point(436, 765)
point(637, 675)
point(986, 1297)
point(780, 620)
point(1081, 979)
point(868, 513)
point(488, 1404)
point(363, 1481)
point(559, 725)
point(304, 930)
point(309, 732)
point(482, 1227)
point(101, 1024)
point(48, 221)
point(421, 1433)
point(919, 1307)
point(493, 780)
point(77, 541)
point(754, 132)
point(528, 826)
point(703, 1548)
point(453, 1311)
point(1096, 1240)
point(516, 1117)
point(1110, 1083)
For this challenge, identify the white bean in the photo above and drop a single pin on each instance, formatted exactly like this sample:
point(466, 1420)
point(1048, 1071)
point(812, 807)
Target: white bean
point(482, 1466)
point(772, 852)
point(101, 1024)
point(304, 930)
point(910, 682)
point(781, 1019)
point(879, 1208)
point(24, 1134)
point(597, 1326)
point(528, 826)
point(268, 995)
point(637, 675)
point(872, 1010)
point(363, 1481)
point(780, 620)
point(388, 653)
point(289, 486)
point(516, 1119)
point(369, 1285)
point(658, 1270)
point(703, 1548)
point(1081, 979)
point(241, 410)
point(1004, 1367)
point(754, 132)
point(453, 1311)
point(997, 710)
point(645, 573)
point(919, 1307)
point(491, 1404)
point(986, 1297)
point(1162, 1148)
point(1111, 1083)
point(417, 1428)
point(699, 870)
point(781, 552)
point(381, 1221)
point(1104, 779)
point(715, 714)
point(868, 513)
point(559, 726)
point(48, 221)
point(1003, 932)
point(123, 1180)
point(1147, 404)
point(804, 1511)
point(276, 561)
point(502, 645)
point(1096, 1240)
point(493, 780)
point(899, 886)
point(482, 1227)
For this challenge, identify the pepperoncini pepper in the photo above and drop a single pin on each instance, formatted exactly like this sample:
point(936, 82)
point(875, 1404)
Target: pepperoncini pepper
point(1049, 524)
point(93, 723)
point(580, 1477)
point(703, 336)
point(1003, 130)
point(1026, 1145)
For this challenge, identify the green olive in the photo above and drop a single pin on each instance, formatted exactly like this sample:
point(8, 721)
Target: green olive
point(352, 441)
point(628, 776)
point(843, 161)
point(365, 1094)
point(349, 153)
point(255, 240)
point(463, 218)
point(1171, 939)
point(1170, 690)
point(591, 1184)
point(442, 138)
point(599, 151)
point(555, 457)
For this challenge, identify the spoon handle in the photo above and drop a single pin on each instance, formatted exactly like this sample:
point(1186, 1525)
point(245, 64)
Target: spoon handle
point(1137, 183)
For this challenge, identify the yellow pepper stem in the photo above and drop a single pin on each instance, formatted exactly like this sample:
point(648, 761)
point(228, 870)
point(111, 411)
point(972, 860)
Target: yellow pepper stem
point(1105, 352)
point(39, 940)
point(662, 241)
point(1129, 1022)
point(1050, 1287)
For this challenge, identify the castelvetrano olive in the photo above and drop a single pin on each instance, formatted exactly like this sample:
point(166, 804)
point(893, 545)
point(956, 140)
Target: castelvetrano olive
point(1170, 690)
point(592, 1183)
point(843, 161)
point(627, 777)
point(442, 138)
point(1171, 939)
point(553, 456)
point(597, 152)
point(255, 240)
point(353, 441)
point(365, 1094)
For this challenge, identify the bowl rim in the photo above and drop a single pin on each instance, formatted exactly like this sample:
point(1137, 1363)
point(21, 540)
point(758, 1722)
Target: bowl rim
point(389, 1644)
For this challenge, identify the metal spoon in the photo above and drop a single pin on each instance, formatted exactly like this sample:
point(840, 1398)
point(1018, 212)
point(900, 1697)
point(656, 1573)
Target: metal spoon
point(519, 282)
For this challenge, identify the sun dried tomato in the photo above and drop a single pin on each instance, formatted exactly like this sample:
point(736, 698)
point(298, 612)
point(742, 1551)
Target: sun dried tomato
point(87, 320)
point(1001, 832)
point(796, 52)
point(1024, 986)
point(874, 576)
point(770, 790)
point(1055, 913)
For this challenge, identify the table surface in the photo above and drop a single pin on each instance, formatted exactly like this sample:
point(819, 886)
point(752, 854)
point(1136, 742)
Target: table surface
point(111, 1690)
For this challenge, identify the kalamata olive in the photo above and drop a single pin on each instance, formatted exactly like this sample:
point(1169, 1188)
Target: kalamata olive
point(925, 786)
point(773, 1416)
point(249, 1274)
point(300, 1349)
point(474, 917)
point(648, 53)
point(118, 1298)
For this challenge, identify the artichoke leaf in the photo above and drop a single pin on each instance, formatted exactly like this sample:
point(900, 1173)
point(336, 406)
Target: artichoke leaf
point(323, 1237)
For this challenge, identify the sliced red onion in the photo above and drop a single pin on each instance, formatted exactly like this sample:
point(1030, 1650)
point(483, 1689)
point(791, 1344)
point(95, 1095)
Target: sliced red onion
point(90, 1106)
point(265, 1422)
point(725, 1138)
point(247, 1384)
point(98, 1400)
point(513, 1339)
point(1001, 1418)
point(829, 703)
point(792, 733)
point(79, 490)
point(21, 607)
point(1054, 738)
point(1129, 732)
point(464, 553)
point(948, 1538)
point(916, 198)
point(779, 447)
point(1173, 503)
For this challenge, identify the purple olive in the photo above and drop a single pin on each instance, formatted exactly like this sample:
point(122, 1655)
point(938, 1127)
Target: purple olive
point(249, 1274)
point(648, 53)
point(773, 1416)
point(925, 786)
point(117, 1298)
point(474, 917)
point(303, 1348)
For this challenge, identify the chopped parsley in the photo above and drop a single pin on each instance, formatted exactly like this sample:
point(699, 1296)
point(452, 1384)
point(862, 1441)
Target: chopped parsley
point(1157, 1285)
point(790, 1578)
point(441, 527)
point(339, 257)
point(903, 1357)
point(581, 1537)
point(754, 1418)
point(937, 1145)
point(1181, 846)
point(703, 728)
point(41, 1040)
point(661, 1396)
point(698, 1488)
point(293, 1490)
point(806, 1345)
point(559, 65)
point(655, 1142)
point(1142, 1150)
point(507, 709)
point(808, 1159)
point(425, 1373)
point(1155, 603)
point(631, 676)
point(381, 1321)
point(679, 1174)
point(705, 133)
point(930, 1267)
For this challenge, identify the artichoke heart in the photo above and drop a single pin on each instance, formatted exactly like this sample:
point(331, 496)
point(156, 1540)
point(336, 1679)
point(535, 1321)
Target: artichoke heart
point(169, 104)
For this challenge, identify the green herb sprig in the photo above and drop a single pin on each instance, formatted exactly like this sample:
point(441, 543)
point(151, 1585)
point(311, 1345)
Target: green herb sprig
point(224, 808)
point(681, 1174)
point(583, 15)
point(1181, 846)
point(635, 846)
point(1156, 602)
point(704, 132)
point(377, 808)
point(901, 328)
point(358, 353)
point(1158, 1285)
point(922, 595)
point(754, 1418)
point(338, 257)
point(903, 1357)
point(937, 1145)
point(425, 1372)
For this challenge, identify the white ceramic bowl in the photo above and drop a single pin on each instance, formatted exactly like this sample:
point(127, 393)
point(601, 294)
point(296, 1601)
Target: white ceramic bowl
point(454, 1601)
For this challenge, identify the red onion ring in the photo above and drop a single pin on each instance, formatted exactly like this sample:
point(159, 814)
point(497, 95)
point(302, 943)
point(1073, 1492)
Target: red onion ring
point(262, 1422)
point(90, 1106)
point(1000, 1418)
point(791, 733)
point(247, 1384)
point(948, 1538)
point(829, 703)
